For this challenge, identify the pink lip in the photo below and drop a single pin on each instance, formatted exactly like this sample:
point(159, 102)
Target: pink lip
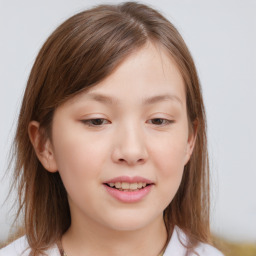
point(129, 196)
point(129, 180)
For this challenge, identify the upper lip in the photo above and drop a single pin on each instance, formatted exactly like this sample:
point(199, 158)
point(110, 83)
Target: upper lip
point(135, 179)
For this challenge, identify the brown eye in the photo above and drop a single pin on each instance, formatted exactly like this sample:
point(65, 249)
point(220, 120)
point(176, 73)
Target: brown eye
point(95, 122)
point(160, 121)
point(157, 121)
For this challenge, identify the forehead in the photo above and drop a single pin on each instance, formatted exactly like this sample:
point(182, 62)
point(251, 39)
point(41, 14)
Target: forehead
point(147, 74)
point(149, 63)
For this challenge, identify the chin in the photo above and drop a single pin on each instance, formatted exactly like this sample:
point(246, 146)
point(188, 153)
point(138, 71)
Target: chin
point(130, 222)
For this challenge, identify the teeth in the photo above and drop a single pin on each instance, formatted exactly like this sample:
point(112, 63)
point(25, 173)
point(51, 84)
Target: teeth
point(128, 186)
point(118, 184)
point(140, 185)
point(125, 185)
point(133, 186)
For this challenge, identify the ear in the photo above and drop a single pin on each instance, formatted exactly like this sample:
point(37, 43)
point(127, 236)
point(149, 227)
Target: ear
point(191, 141)
point(42, 146)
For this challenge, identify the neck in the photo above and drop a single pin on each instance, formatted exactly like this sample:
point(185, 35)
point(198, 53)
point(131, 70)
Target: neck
point(90, 238)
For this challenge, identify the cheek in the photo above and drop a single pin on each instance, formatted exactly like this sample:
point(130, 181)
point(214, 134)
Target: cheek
point(78, 157)
point(169, 156)
point(79, 160)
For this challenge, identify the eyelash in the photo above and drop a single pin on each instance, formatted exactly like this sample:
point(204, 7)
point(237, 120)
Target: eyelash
point(166, 121)
point(89, 122)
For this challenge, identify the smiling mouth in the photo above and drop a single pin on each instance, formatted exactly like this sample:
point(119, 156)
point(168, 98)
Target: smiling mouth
point(126, 187)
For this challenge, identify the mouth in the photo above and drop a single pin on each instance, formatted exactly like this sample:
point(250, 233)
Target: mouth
point(129, 189)
point(127, 186)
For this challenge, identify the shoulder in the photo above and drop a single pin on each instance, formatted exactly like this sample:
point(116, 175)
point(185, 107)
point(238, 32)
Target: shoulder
point(17, 248)
point(206, 249)
point(176, 246)
point(20, 247)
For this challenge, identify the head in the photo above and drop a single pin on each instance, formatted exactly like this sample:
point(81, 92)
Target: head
point(85, 55)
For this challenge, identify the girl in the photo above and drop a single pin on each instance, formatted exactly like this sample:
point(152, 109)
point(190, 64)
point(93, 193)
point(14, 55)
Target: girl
point(111, 154)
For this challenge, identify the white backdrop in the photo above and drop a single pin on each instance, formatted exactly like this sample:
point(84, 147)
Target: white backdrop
point(221, 35)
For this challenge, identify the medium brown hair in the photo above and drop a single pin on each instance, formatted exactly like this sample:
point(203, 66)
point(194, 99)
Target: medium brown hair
point(79, 54)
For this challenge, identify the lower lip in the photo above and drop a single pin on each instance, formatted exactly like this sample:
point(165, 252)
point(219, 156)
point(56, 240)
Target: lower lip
point(129, 196)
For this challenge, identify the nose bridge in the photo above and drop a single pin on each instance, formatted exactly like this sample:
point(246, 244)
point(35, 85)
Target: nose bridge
point(130, 144)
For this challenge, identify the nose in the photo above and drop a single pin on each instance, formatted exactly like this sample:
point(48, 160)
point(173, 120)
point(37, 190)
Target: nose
point(130, 146)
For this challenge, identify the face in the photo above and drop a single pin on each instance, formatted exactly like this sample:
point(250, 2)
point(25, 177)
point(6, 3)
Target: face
point(121, 146)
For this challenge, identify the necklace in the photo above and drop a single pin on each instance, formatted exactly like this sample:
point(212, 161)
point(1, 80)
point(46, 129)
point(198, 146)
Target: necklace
point(62, 252)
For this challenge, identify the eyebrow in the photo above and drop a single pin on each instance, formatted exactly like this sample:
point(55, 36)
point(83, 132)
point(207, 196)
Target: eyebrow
point(146, 101)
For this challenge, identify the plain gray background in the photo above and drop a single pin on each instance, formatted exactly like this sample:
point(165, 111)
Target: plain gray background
point(221, 35)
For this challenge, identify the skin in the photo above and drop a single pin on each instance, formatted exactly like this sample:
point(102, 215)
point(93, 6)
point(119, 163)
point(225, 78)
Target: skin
point(131, 137)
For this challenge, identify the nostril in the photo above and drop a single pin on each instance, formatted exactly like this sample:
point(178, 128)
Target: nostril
point(131, 162)
point(141, 161)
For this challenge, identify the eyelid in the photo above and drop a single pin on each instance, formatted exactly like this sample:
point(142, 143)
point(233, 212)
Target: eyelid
point(89, 121)
point(166, 121)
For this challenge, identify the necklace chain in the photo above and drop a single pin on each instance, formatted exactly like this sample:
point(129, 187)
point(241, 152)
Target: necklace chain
point(62, 252)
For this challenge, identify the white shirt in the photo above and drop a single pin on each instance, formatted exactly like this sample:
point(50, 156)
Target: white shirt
point(174, 248)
